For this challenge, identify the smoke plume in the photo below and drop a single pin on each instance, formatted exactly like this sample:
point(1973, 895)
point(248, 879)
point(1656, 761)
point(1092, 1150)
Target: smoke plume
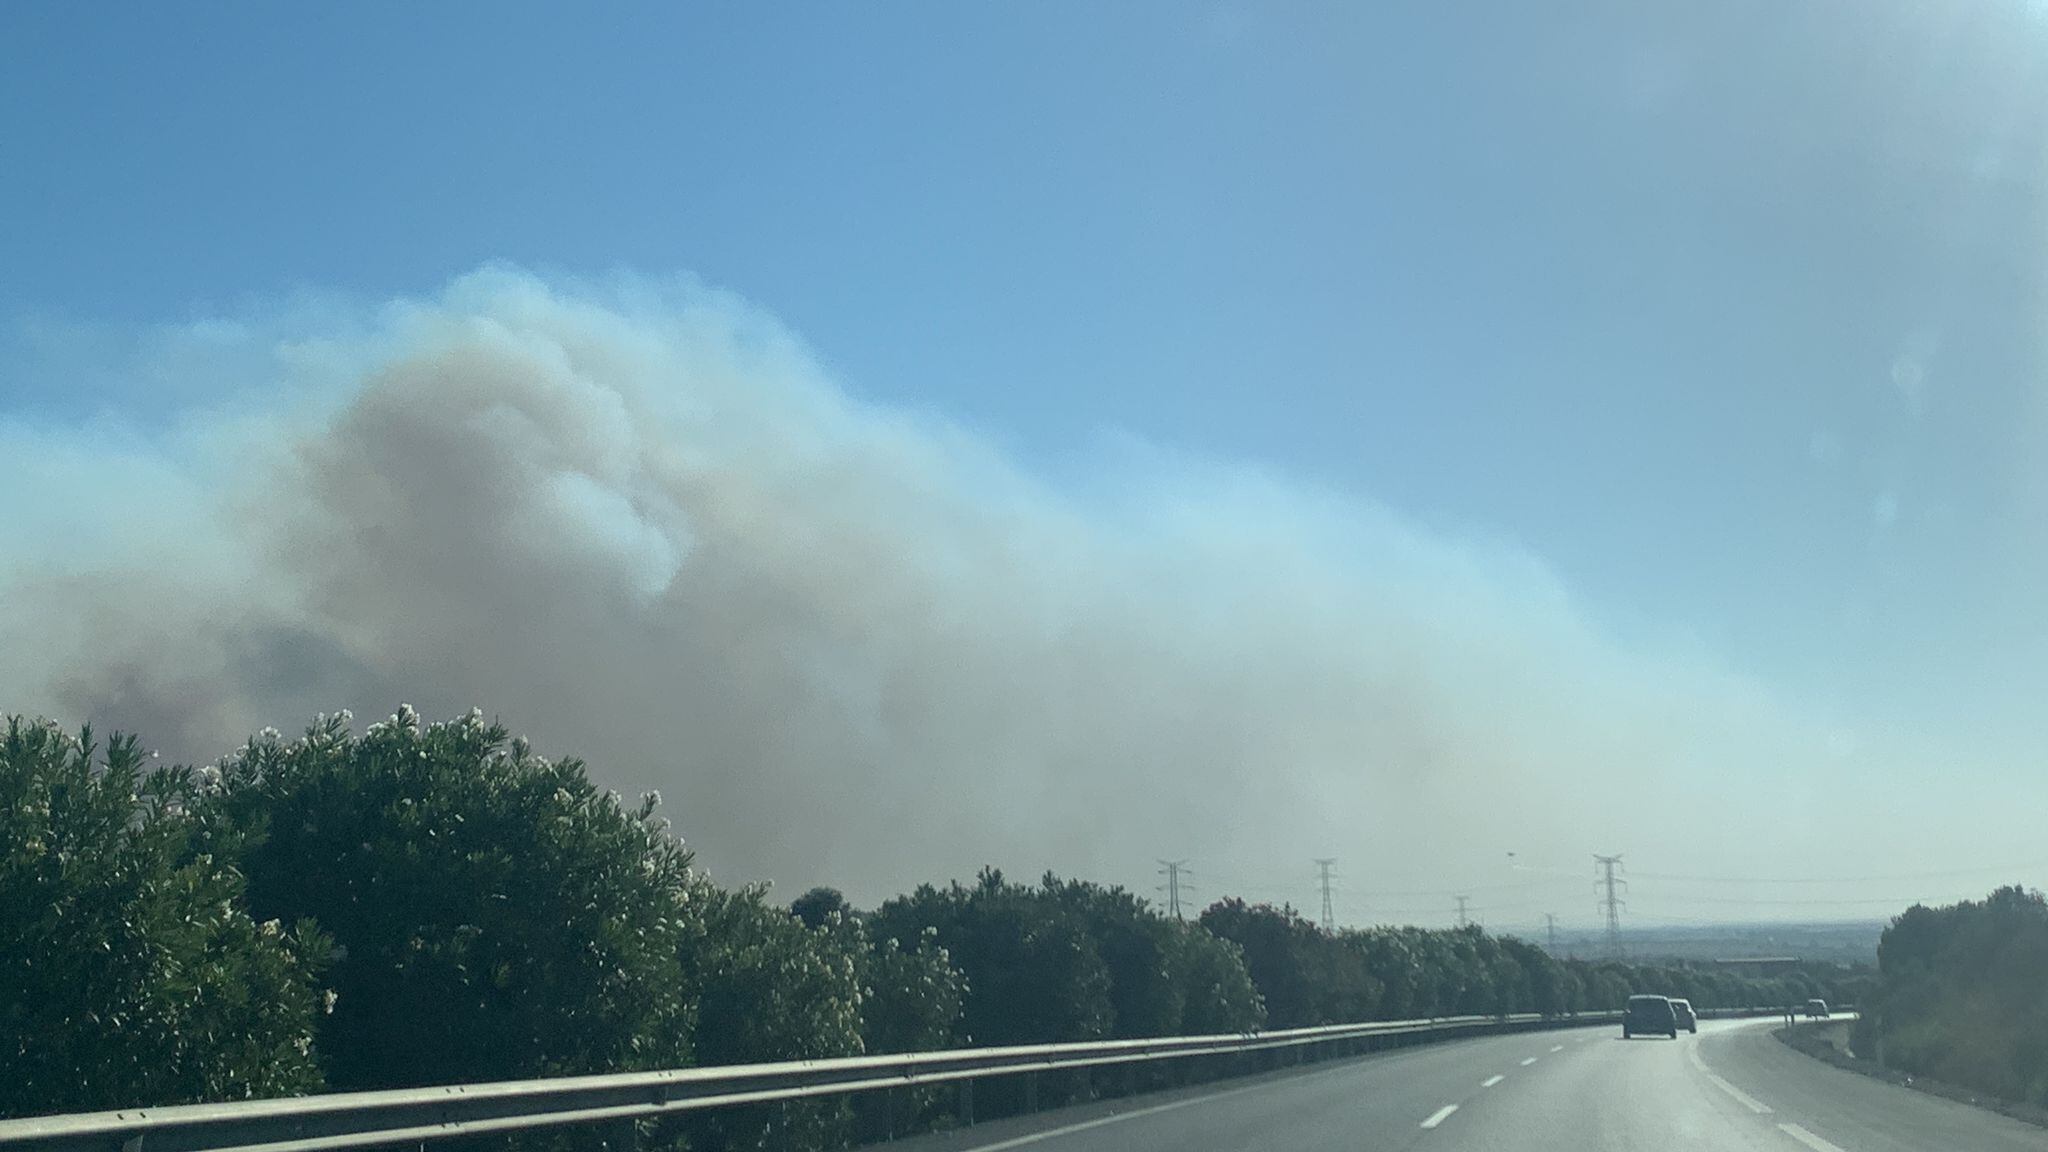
point(849, 644)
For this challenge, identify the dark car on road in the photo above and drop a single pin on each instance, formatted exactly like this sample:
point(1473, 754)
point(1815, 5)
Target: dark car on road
point(1649, 1015)
point(1687, 1018)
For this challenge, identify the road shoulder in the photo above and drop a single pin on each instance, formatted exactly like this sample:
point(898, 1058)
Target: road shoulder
point(1852, 1111)
point(1812, 1042)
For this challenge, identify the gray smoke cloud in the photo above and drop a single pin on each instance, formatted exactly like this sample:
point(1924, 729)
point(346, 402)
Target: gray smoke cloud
point(849, 644)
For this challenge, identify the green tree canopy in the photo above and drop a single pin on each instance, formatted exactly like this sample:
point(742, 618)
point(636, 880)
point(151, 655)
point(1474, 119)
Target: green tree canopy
point(766, 986)
point(1964, 995)
point(1216, 991)
point(1304, 975)
point(498, 915)
point(911, 995)
point(818, 905)
point(129, 972)
point(1034, 975)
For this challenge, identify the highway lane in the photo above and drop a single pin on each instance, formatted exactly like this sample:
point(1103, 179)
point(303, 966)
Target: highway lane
point(1731, 1087)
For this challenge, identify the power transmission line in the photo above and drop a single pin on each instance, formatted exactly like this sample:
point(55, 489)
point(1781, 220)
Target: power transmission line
point(1525, 897)
point(1172, 870)
point(1636, 916)
point(1515, 886)
point(1896, 901)
point(1323, 866)
point(1610, 903)
point(2031, 865)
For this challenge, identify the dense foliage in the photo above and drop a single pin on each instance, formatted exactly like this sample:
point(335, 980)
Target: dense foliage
point(1072, 960)
point(1963, 995)
point(130, 970)
point(497, 915)
point(462, 909)
point(910, 994)
point(1309, 976)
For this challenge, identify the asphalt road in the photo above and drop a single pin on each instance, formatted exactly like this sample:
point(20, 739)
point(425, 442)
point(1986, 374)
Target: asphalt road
point(1732, 1086)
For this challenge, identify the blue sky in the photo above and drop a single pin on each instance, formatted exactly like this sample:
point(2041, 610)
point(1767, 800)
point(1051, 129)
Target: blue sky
point(1730, 314)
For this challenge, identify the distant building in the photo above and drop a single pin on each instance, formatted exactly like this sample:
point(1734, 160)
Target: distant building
point(1758, 965)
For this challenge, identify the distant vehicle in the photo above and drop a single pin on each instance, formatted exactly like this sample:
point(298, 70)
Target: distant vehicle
point(1816, 1009)
point(1687, 1018)
point(1648, 1014)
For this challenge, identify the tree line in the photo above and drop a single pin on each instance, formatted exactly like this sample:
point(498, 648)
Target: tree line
point(1962, 996)
point(1307, 976)
point(427, 903)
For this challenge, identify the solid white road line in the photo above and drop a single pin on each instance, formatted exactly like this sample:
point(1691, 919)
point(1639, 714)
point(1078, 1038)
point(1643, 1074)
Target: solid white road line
point(1808, 1138)
point(1529, 1061)
point(1490, 1081)
point(1114, 1118)
point(1557, 1048)
point(1692, 1052)
point(1083, 1126)
point(1743, 1098)
point(1440, 1115)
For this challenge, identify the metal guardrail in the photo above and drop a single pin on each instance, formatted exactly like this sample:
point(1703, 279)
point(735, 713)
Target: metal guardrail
point(415, 1115)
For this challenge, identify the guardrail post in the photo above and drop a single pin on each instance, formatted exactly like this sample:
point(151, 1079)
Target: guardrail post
point(967, 1102)
point(1031, 1092)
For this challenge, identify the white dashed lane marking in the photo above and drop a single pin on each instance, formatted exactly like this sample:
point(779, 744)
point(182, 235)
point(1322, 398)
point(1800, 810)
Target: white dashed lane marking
point(1490, 1081)
point(1557, 1048)
point(1439, 1116)
point(1743, 1098)
point(1808, 1138)
point(1529, 1061)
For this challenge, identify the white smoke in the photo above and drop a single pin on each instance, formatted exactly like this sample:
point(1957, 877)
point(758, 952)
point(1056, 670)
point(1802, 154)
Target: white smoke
point(849, 645)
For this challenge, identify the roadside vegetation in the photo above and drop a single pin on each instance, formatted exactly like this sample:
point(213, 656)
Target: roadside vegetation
point(1962, 996)
point(424, 903)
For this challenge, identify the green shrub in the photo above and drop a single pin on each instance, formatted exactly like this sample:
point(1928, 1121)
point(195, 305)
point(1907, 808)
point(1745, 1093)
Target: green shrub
point(497, 915)
point(130, 972)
